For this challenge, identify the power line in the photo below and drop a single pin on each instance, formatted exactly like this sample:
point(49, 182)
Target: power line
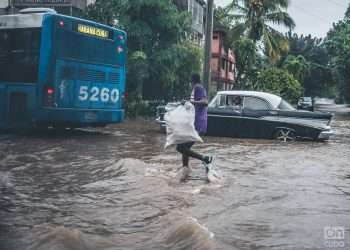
point(337, 3)
point(309, 13)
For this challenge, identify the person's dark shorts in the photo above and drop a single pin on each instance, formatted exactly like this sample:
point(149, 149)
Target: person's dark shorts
point(184, 147)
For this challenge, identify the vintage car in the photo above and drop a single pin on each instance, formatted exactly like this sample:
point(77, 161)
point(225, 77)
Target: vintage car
point(250, 114)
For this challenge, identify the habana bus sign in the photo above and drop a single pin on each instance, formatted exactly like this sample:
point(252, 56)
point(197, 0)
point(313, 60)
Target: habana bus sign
point(93, 31)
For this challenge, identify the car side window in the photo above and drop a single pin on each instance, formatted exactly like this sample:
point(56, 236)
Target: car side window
point(254, 103)
point(219, 101)
point(234, 102)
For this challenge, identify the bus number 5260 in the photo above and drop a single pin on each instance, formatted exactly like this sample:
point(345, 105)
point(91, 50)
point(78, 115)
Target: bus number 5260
point(96, 94)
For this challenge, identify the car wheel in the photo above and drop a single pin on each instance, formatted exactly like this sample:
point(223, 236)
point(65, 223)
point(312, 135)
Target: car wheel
point(284, 134)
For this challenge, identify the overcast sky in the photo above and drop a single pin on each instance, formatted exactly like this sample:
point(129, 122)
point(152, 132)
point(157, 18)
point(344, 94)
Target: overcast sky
point(313, 17)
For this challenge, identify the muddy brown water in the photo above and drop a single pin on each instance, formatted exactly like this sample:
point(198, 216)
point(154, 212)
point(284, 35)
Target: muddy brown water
point(115, 188)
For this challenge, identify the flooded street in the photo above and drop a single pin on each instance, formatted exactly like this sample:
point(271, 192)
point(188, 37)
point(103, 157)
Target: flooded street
point(115, 188)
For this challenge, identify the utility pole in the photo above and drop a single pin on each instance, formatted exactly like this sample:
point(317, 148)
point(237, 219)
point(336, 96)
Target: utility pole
point(208, 42)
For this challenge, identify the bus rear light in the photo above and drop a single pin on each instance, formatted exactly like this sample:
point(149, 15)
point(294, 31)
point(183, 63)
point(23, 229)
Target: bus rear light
point(61, 23)
point(120, 38)
point(50, 91)
point(48, 98)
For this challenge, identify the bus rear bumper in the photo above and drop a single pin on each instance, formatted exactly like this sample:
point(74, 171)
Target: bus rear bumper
point(79, 117)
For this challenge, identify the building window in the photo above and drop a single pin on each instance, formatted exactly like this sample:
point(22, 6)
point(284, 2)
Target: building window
point(223, 64)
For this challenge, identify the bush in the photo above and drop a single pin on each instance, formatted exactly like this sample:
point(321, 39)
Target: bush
point(279, 82)
point(136, 108)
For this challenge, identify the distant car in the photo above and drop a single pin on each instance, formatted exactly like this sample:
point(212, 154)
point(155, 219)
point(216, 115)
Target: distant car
point(250, 114)
point(306, 103)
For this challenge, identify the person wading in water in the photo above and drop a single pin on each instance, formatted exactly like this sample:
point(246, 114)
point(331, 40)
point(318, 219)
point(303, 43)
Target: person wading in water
point(200, 101)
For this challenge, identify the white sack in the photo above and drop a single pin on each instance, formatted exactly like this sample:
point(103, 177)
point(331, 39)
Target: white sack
point(180, 125)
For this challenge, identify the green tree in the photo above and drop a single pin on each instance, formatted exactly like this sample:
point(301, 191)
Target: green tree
point(190, 58)
point(107, 12)
point(137, 73)
point(279, 82)
point(158, 56)
point(318, 80)
point(297, 66)
point(253, 18)
point(245, 51)
point(338, 45)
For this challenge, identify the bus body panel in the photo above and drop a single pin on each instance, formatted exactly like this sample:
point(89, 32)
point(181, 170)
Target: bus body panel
point(80, 85)
point(78, 117)
point(86, 93)
point(19, 76)
point(46, 55)
point(19, 105)
point(87, 84)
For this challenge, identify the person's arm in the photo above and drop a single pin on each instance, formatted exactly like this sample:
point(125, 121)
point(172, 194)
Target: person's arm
point(201, 102)
point(200, 96)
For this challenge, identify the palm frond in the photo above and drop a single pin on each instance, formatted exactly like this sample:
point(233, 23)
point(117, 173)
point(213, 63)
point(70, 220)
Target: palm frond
point(275, 44)
point(254, 17)
point(269, 46)
point(237, 31)
point(237, 17)
point(280, 18)
point(236, 6)
point(274, 4)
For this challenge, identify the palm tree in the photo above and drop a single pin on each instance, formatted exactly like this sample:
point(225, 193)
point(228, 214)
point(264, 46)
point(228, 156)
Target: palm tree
point(254, 19)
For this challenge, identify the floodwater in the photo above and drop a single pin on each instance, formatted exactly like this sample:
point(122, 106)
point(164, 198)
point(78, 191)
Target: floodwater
point(115, 188)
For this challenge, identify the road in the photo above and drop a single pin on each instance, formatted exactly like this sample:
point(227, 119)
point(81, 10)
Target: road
point(115, 188)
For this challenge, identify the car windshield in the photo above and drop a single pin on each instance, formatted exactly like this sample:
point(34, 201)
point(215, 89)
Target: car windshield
point(284, 105)
point(219, 100)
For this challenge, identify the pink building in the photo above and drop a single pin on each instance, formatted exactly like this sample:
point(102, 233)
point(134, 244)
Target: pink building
point(223, 63)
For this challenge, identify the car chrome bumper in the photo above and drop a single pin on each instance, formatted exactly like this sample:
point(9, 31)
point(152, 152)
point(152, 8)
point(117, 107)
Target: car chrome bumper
point(324, 135)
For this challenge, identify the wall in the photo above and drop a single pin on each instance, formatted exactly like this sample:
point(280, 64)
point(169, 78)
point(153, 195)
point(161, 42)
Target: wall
point(215, 46)
point(222, 63)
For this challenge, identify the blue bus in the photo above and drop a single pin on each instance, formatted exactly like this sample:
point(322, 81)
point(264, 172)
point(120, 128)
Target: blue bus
point(60, 71)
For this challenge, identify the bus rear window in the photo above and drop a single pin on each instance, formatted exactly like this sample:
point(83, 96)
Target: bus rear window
point(19, 55)
point(90, 49)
